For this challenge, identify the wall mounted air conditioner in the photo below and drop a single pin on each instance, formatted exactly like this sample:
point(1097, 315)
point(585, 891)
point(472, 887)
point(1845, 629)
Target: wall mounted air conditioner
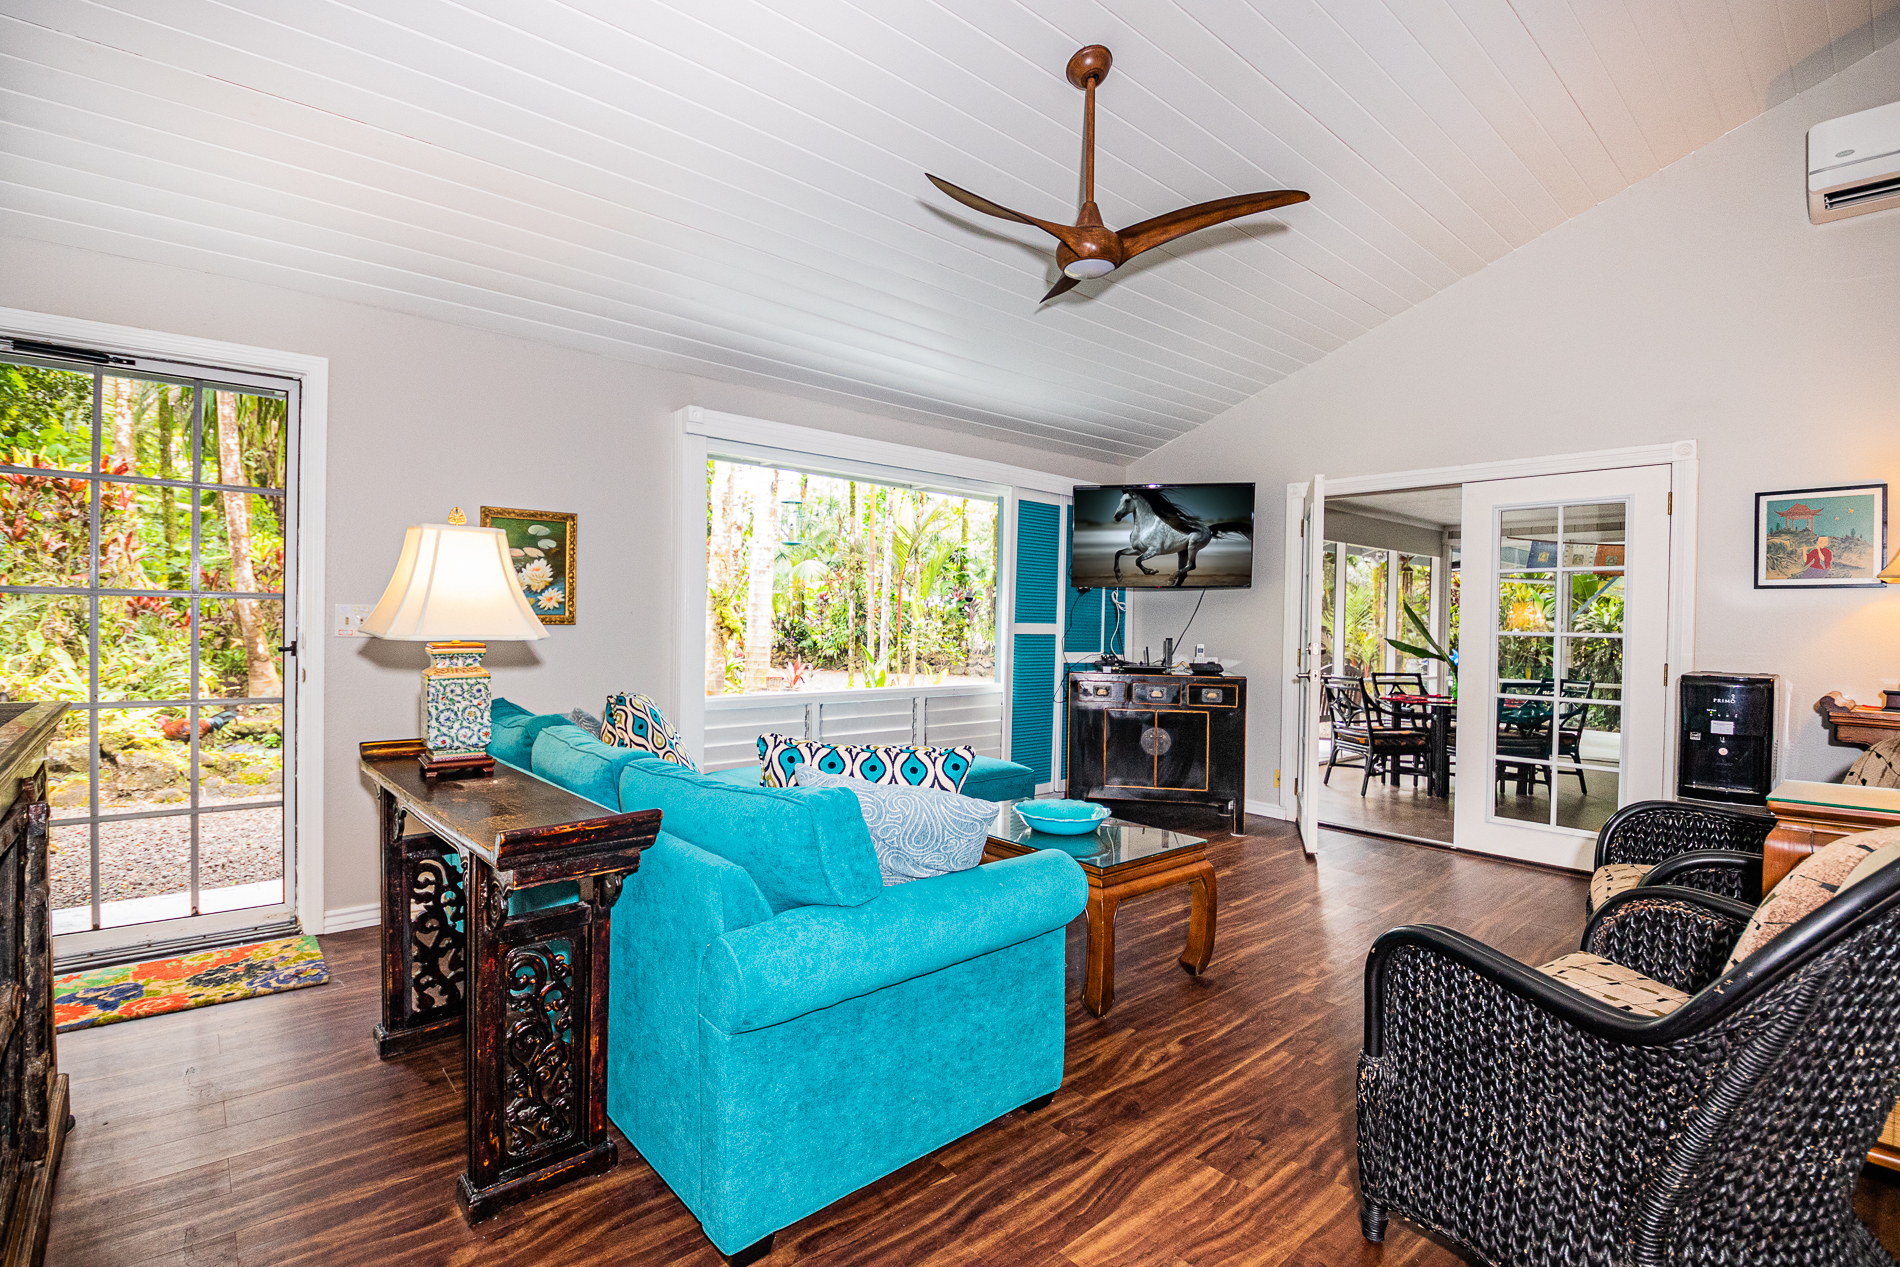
point(1854, 164)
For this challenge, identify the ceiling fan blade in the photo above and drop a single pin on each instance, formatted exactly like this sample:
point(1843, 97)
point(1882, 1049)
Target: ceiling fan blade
point(1063, 284)
point(1137, 238)
point(976, 202)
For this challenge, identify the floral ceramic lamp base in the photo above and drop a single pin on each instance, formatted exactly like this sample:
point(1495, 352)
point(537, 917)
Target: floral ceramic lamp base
point(456, 693)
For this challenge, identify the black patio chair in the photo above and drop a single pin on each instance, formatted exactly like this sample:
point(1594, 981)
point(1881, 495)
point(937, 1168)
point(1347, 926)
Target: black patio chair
point(1668, 1109)
point(1527, 734)
point(1708, 847)
point(1360, 729)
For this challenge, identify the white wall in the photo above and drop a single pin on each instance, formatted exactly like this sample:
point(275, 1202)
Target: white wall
point(425, 415)
point(1698, 304)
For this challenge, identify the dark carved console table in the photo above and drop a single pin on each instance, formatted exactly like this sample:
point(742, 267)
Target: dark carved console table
point(534, 1004)
point(32, 1090)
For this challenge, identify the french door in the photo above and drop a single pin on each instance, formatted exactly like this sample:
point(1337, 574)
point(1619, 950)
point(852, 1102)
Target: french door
point(150, 512)
point(1562, 697)
point(1311, 663)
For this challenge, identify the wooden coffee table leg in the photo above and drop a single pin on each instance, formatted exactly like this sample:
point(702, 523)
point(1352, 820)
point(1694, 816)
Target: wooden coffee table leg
point(1098, 973)
point(1200, 939)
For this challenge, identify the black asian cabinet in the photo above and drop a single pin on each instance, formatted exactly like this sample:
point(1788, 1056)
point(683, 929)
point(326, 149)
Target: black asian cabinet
point(1159, 737)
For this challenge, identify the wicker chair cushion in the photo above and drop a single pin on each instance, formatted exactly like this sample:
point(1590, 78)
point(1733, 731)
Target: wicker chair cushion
point(1613, 878)
point(1817, 877)
point(1612, 983)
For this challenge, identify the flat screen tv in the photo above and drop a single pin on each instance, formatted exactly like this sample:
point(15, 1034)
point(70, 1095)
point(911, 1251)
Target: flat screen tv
point(1162, 536)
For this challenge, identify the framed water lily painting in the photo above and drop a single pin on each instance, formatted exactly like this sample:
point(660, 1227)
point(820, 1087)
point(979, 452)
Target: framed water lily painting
point(541, 545)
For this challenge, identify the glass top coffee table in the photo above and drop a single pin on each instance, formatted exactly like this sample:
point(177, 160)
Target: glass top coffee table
point(1121, 860)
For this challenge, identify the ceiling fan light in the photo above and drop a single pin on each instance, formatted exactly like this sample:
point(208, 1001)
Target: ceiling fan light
point(1084, 269)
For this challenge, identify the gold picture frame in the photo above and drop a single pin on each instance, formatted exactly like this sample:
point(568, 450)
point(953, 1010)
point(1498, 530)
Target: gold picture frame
point(543, 546)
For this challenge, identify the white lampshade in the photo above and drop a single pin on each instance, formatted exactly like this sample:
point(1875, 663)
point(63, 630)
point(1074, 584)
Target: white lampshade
point(454, 583)
point(1094, 266)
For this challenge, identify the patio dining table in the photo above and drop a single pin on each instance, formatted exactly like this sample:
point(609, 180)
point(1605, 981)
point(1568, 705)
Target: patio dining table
point(1438, 709)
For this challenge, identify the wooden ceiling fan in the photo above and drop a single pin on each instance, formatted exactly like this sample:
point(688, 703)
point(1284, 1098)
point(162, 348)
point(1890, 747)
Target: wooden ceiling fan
point(1088, 248)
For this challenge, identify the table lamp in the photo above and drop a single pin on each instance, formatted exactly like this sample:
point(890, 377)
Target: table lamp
point(454, 591)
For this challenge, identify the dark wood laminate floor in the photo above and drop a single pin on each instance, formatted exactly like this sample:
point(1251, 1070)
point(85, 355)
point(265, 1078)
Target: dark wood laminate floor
point(1202, 1121)
point(1409, 810)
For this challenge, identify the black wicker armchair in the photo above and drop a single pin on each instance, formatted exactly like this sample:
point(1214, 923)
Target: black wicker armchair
point(1707, 847)
point(1535, 1123)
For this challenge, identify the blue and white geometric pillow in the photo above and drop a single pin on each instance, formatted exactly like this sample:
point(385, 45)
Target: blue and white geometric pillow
point(941, 769)
point(779, 759)
point(635, 721)
point(917, 832)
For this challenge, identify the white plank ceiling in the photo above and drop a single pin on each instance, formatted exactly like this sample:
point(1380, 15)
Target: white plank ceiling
point(734, 188)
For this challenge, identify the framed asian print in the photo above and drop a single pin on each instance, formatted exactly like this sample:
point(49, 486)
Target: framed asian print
point(542, 546)
point(1821, 538)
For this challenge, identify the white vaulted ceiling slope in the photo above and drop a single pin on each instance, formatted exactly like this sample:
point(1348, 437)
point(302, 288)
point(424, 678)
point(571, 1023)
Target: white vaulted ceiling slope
point(735, 188)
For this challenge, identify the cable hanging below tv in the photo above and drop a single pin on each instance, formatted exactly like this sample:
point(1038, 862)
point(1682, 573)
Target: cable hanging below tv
point(1162, 536)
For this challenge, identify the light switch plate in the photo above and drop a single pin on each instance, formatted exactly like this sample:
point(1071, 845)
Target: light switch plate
point(350, 618)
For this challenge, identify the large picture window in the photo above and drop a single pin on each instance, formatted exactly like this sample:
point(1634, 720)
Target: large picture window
point(824, 583)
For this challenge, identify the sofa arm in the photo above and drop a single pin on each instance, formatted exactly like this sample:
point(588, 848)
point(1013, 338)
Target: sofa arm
point(815, 956)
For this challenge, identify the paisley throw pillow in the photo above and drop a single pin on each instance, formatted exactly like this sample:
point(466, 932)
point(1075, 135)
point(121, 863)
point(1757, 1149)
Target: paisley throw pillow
point(916, 831)
point(635, 721)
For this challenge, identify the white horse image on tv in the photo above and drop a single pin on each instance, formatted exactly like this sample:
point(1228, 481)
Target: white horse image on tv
point(1163, 527)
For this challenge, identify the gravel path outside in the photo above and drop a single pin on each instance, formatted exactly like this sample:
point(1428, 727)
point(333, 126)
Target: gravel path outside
point(151, 856)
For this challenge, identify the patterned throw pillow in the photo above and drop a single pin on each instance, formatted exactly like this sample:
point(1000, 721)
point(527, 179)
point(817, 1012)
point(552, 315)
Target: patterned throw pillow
point(941, 769)
point(1815, 879)
point(635, 721)
point(1879, 766)
point(916, 831)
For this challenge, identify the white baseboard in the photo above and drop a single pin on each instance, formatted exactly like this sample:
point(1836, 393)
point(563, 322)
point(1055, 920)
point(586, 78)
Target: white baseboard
point(344, 918)
point(1269, 809)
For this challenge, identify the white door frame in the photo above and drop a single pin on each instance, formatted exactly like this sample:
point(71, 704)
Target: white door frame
point(1678, 455)
point(305, 800)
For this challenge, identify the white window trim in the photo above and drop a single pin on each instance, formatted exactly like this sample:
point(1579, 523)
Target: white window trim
point(314, 374)
point(709, 432)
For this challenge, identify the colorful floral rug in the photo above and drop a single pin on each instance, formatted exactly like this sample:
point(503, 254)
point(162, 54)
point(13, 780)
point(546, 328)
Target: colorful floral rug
point(129, 991)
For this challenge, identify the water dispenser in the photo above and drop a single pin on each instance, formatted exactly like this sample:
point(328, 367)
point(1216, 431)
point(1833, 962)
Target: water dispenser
point(1727, 749)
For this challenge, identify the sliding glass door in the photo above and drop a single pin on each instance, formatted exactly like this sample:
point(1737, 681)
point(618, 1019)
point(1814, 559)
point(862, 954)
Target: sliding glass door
point(150, 525)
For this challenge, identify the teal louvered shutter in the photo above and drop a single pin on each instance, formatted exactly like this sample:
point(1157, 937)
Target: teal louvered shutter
point(1033, 640)
point(1081, 636)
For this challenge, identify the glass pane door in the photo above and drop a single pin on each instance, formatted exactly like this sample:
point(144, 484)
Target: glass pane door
point(1569, 589)
point(149, 524)
point(1560, 602)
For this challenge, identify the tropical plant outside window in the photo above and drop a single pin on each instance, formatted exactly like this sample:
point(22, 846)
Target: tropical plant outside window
point(1365, 630)
point(1527, 604)
point(816, 582)
point(1364, 617)
point(142, 583)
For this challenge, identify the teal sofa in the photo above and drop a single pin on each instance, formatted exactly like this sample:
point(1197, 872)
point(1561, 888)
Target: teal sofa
point(782, 1028)
point(989, 779)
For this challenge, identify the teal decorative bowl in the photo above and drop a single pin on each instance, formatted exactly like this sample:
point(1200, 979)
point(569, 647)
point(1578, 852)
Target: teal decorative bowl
point(1062, 818)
